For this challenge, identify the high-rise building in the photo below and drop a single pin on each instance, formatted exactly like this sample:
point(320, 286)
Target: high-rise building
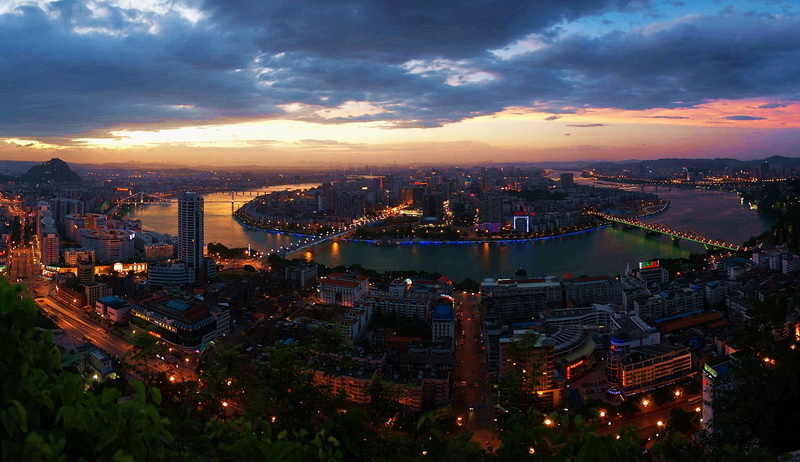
point(190, 232)
point(567, 180)
point(63, 206)
point(109, 245)
point(50, 242)
point(41, 207)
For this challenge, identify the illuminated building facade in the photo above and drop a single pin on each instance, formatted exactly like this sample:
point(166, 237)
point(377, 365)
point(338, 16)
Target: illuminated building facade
point(109, 245)
point(632, 370)
point(159, 251)
point(343, 289)
point(71, 256)
point(187, 324)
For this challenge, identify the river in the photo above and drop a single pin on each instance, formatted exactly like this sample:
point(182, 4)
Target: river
point(608, 250)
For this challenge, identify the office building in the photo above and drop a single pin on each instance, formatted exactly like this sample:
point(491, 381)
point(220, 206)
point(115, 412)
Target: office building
point(62, 206)
point(169, 274)
point(112, 308)
point(343, 289)
point(514, 300)
point(71, 256)
point(41, 208)
point(109, 245)
point(185, 323)
point(631, 370)
point(190, 233)
point(443, 325)
point(158, 252)
point(532, 357)
point(50, 242)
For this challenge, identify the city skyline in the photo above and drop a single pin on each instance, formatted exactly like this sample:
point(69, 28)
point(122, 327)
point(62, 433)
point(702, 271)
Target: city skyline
point(267, 83)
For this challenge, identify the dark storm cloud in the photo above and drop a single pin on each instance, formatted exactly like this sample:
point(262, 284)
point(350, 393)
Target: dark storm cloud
point(54, 81)
point(423, 64)
point(396, 31)
point(744, 117)
point(685, 65)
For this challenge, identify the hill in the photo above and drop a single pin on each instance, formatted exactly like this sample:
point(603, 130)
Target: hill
point(52, 171)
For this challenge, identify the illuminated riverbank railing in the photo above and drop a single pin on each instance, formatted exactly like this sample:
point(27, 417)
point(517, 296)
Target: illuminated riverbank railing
point(693, 236)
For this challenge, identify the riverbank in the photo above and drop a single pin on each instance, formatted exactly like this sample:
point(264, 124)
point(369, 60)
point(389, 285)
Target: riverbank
point(406, 241)
point(663, 209)
point(256, 228)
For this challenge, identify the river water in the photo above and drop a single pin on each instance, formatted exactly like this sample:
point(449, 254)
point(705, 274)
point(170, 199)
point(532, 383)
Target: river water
point(715, 214)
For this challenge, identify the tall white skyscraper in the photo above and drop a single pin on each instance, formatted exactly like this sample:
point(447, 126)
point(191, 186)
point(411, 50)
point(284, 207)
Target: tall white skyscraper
point(190, 232)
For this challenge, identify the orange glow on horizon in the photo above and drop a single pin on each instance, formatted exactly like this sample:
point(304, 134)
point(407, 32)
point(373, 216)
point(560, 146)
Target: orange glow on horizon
point(515, 134)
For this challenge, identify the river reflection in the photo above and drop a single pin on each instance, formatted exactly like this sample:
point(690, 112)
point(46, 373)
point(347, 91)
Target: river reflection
point(604, 251)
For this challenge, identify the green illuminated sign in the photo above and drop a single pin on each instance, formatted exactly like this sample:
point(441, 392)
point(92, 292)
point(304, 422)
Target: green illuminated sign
point(648, 264)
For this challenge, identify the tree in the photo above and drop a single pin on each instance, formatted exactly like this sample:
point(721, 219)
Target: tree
point(754, 402)
point(680, 421)
point(46, 412)
point(16, 231)
point(144, 345)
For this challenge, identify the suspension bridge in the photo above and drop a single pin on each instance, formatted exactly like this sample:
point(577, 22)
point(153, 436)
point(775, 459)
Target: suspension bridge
point(677, 236)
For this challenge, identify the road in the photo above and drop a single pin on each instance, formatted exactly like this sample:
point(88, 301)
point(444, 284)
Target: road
point(79, 328)
point(472, 401)
point(20, 264)
point(646, 423)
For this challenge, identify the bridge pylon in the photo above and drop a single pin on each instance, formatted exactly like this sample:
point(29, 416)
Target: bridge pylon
point(675, 240)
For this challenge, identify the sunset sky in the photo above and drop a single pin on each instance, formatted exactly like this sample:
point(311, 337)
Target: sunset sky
point(338, 82)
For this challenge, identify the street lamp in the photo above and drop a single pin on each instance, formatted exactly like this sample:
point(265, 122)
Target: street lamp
point(645, 402)
point(548, 422)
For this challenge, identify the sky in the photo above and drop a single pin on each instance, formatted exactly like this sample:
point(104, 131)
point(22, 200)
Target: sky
point(368, 82)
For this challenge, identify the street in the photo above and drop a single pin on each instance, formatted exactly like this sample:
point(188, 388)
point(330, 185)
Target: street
point(472, 399)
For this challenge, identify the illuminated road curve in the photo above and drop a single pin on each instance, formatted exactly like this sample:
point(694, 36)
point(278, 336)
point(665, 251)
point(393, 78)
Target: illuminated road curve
point(693, 236)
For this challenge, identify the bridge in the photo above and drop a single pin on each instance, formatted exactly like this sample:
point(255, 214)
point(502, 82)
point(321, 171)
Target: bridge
point(657, 228)
point(311, 241)
point(163, 198)
point(145, 198)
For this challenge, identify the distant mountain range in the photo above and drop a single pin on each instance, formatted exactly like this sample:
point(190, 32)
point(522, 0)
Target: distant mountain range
point(718, 165)
point(57, 171)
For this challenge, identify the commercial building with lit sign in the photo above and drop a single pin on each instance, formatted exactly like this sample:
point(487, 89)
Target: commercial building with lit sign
point(187, 324)
point(648, 264)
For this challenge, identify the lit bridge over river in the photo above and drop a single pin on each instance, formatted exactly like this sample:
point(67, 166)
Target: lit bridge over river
point(307, 242)
point(143, 198)
point(657, 228)
point(311, 241)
